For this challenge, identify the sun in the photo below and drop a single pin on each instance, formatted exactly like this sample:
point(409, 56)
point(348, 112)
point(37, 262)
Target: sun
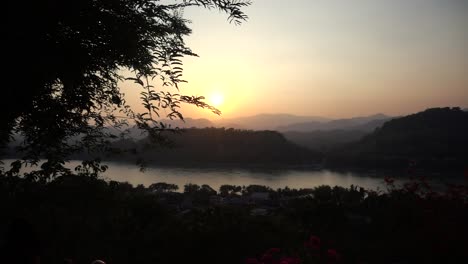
point(217, 99)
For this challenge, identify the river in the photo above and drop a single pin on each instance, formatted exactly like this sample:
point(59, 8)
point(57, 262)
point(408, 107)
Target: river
point(217, 176)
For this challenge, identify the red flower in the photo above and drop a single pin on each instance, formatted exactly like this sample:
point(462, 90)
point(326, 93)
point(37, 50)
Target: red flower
point(252, 261)
point(314, 239)
point(388, 180)
point(290, 260)
point(411, 187)
point(332, 256)
point(313, 245)
point(314, 242)
point(267, 258)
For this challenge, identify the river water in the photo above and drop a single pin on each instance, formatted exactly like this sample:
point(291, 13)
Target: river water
point(217, 176)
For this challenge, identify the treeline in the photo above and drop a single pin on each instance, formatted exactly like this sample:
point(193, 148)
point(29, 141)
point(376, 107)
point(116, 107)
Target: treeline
point(217, 146)
point(324, 141)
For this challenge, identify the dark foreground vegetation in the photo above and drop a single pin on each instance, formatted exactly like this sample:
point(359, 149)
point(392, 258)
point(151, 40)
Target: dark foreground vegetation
point(81, 218)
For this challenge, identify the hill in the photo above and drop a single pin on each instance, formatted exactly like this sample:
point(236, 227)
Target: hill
point(434, 138)
point(220, 146)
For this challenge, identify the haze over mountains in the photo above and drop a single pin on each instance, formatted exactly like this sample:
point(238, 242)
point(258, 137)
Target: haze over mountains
point(278, 122)
point(435, 137)
point(268, 121)
point(367, 123)
point(286, 122)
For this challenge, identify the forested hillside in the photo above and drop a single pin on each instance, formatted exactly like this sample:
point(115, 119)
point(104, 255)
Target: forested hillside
point(436, 138)
point(219, 145)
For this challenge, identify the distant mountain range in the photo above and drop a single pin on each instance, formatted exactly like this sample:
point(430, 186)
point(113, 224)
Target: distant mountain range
point(267, 121)
point(326, 136)
point(285, 122)
point(366, 123)
point(256, 122)
point(436, 138)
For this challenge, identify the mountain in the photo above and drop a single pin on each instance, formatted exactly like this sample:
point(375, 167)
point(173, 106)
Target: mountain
point(280, 122)
point(367, 123)
point(267, 121)
point(437, 138)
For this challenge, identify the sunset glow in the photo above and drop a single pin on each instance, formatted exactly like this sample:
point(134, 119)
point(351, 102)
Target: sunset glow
point(217, 99)
point(332, 58)
point(234, 131)
point(328, 58)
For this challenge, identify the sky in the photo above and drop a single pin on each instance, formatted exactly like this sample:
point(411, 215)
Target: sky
point(329, 58)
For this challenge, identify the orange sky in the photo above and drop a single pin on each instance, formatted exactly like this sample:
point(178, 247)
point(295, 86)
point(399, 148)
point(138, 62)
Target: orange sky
point(329, 58)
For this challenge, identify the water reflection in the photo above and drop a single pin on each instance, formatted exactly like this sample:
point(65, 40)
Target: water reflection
point(217, 176)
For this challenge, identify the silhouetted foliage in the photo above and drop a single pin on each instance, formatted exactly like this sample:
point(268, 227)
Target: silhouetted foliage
point(163, 187)
point(257, 188)
point(66, 60)
point(191, 188)
point(226, 190)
